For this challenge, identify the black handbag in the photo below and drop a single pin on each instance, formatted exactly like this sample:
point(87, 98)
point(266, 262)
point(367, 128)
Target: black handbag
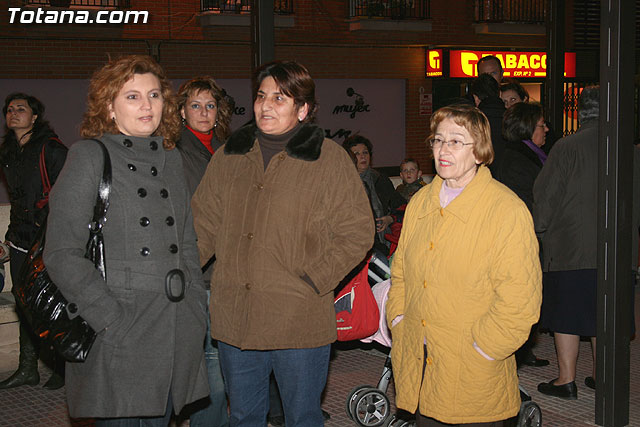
point(42, 303)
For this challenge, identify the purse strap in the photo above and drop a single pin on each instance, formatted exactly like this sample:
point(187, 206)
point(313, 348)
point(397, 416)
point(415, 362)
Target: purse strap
point(44, 176)
point(104, 189)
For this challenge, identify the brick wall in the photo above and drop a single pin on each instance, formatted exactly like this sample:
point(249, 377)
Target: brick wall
point(320, 39)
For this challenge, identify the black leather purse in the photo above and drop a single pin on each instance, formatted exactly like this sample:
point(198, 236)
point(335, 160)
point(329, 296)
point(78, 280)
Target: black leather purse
point(40, 299)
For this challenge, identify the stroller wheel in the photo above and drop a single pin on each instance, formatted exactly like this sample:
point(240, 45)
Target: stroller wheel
point(352, 397)
point(530, 415)
point(372, 408)
point(394, 421)
point(390, 421)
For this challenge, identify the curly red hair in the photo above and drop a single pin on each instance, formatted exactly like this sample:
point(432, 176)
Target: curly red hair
point(109, 80)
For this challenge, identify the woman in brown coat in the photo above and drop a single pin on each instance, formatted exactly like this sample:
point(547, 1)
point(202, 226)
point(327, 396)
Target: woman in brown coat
point(284, 212)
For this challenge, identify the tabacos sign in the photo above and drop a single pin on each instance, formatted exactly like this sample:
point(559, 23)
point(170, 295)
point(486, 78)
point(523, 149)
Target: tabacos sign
point(434, 63)
point(462, 63)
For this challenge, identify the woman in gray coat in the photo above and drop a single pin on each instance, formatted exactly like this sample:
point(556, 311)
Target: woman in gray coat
point(148, 357)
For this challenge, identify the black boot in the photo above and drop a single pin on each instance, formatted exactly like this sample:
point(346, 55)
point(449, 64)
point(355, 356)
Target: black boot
point(56, 380)
point(27, 373)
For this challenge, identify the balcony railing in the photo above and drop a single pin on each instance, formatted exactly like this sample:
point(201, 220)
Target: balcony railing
point(118, 4)
point(281, 7)
point(392, 9)
point(524, 11)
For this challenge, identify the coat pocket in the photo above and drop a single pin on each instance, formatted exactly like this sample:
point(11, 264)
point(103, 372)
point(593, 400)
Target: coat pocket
point(115, 332)
point(482, 383)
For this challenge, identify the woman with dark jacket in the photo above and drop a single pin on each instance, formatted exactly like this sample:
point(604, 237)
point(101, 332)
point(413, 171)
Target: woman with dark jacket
point(524, 129)
point(565, 215)
point(383, 197)
point(206, 111)
point(272, 207)
point(512, 92)
point(150, 313)
point(27, 136)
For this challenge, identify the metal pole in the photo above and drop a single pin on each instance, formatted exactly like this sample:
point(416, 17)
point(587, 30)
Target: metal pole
point(614, 211)
point(554, 82)
point(262, 33)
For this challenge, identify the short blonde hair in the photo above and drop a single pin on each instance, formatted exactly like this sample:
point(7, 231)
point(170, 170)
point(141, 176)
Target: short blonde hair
point(109, 80)
point(474, 121)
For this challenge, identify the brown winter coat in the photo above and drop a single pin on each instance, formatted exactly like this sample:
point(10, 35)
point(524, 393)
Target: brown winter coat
point(306, 214)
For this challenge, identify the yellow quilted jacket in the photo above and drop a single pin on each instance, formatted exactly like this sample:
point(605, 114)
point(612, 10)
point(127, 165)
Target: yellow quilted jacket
point(466, 273)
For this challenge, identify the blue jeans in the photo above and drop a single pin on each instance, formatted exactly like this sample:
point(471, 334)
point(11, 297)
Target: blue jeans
point(215, 414)
point(301, 375)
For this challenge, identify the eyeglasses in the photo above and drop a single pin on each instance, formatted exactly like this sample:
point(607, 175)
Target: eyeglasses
point(453, 144)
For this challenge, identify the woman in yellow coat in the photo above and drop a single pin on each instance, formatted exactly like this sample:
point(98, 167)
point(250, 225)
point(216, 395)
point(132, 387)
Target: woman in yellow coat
point(466, 284)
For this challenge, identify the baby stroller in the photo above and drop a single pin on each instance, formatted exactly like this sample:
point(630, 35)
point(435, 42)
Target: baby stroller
point(369, 406)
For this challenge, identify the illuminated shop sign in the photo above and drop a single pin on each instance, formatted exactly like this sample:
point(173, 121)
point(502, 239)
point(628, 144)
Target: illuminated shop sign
point(462, 63)
point(434, 63)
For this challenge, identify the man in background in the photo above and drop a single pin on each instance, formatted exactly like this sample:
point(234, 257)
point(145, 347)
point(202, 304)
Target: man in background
point(486, 95)
point(492, 66)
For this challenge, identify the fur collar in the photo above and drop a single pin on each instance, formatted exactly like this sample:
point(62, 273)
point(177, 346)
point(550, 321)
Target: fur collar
point(306, 144)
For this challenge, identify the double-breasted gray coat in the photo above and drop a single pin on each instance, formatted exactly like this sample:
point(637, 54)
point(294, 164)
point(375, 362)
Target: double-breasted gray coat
point(147, 345)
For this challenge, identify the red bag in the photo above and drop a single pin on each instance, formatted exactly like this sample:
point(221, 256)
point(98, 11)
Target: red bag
point(357, 314)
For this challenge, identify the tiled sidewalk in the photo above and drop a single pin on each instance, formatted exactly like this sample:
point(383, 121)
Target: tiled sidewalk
point(352, 366)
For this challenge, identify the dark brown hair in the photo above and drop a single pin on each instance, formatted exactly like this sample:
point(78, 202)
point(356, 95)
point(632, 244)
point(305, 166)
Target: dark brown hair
point(410, 160)
point(41, 128)
point(520, 121)
point(511, 84)
point(294, 80)
point(357, 139)
point(489, 58)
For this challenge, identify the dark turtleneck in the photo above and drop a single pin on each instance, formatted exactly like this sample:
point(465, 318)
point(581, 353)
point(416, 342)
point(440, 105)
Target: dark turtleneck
point(270, 145)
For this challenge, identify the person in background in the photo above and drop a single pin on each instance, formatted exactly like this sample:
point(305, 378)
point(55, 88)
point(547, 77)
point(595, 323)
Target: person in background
point(512, 92)
point(486, 95)
point(384, 199)
point(282, 209)
point(150, 314)
point(524, 130)
point(411, 178)
point(565, 209)
point(490, 65)
point(27, 136)
point(205, 110)
point(466, 284)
